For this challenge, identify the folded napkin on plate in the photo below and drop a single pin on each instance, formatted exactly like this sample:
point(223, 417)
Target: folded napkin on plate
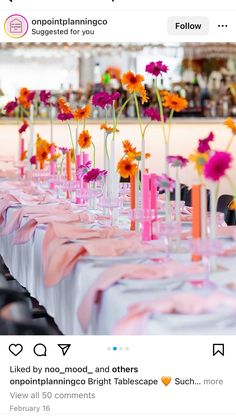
point(118, 272)
point(26, 232)
point(60, 256)
point(24, 199)
point(135, 321)
point(226, 232)
point(38, 210)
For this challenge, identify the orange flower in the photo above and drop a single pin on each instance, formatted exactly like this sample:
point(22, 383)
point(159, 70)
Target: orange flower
point(107, 128)
point(175, 102)
point(23, 155)
point(138, 155)
point(232, 205)
point(143, 94)
point(64, 108)
point(42, 149)
point(132, 81)
point(82, 113)
point(23, 98)
point(126, 168)
point(128, 148)
point(229, 122)
point(85, 139)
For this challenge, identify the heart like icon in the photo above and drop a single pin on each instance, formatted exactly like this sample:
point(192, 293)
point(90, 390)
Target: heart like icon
point(16, 349)
point(166, 380)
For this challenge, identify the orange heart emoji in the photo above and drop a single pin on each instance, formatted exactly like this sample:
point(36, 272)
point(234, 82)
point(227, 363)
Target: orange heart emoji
point(166, 380)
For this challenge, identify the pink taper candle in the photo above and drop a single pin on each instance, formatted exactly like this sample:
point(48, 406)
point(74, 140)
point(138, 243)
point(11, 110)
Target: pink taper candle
point(146, 227)
point(52, 165)
point(21, 156)
point(154, 198)
point(78, 163)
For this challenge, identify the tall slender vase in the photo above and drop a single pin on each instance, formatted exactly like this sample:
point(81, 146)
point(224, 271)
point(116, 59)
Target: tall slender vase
point(31, 141)
point(166, 154)
point(213, 224)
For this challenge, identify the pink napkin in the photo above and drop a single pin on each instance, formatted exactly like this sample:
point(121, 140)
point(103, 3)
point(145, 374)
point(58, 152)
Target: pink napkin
point(60, 256)
point(118, 272)
point(135, 321)
point(5, 204)
point(16, 219)
point(26, 232)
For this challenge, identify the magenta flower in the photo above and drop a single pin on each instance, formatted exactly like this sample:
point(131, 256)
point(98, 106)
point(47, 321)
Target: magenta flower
point(156, 68)
point(177, 161)
point(45, 97)
point(33, 160)
point(165, 183)
point(83, 169)
point(217, 165)
point(203, 145)
point(64, 150)
point(65, 116)
point(23, 127)
point(103, 99)
point(31, 96)
point(11, 106)
point(114, 96)
point(153, 114)
point(92, 175)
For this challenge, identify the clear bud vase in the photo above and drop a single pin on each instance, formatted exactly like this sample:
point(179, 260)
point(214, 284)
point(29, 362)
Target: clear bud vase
point(92, 198)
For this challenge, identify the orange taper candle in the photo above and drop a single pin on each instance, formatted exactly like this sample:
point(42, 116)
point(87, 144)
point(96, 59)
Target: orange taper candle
point(68, 165)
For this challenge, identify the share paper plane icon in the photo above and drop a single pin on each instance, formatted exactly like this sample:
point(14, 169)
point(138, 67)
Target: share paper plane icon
point(65, 348)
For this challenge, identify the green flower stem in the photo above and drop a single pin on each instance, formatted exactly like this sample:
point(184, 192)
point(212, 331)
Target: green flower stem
point(106, 146)
point(94, 155)
point(160, 109)
point(61, 165)
point(122, 108)
point(229, 143)
point(138, 114)
point(146, 126)
point(71, 138)
point(170, 124)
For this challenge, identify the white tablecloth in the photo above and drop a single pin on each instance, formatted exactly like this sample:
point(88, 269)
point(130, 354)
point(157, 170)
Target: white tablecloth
point(62, 300)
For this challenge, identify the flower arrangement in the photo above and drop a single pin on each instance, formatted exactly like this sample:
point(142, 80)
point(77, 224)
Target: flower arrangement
point(168, 101)
point(129, 163)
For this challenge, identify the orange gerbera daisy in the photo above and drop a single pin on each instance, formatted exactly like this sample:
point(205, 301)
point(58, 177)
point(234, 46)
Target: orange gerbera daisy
point(175, 102)
point(132, 82)
point(128, 148)
point(23, 98)
point(138, 155)
point(85, 139)
point(229, 122)
point(64, 108)
point(42, 149)
point(107, 128)
point(126, 168)
point(82, 113)
point(143, 94)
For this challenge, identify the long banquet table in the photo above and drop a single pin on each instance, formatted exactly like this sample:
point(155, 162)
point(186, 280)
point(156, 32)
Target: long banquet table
point(62, 300)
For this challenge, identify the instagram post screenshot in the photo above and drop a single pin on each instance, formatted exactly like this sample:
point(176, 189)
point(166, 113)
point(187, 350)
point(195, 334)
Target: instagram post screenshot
point(117, 209)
